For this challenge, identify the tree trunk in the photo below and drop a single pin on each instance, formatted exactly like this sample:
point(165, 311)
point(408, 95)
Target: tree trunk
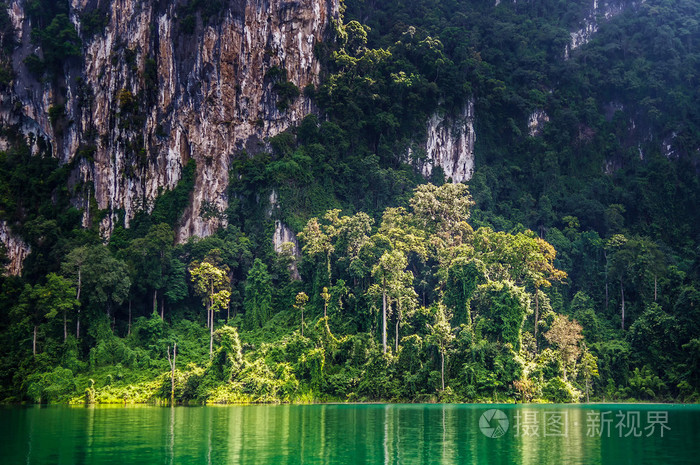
point(537, 317)
point(155, 301)
point(442, 369)
point(384, 320)
point(655, 287)
point(162, 308)
point(211, 301)
point(128, 331)
point(622, 294)
point(65, 326)
point(396, 345)
point(34, 342)
point(172, 375)
point(588, 400)
point(77, 297)
point(398, 321)
point(606, 282)
point(172, 372)
point(210, 314)
point(328, 265)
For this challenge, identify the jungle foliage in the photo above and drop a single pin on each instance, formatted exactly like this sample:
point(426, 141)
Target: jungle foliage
point(568, 267)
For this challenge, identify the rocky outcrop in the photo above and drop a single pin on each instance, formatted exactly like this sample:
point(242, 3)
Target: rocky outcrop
point(449, 145)
point(283, 234)
point(163, 84)
point(14, 248)
point(536, 122)
point(601, 10)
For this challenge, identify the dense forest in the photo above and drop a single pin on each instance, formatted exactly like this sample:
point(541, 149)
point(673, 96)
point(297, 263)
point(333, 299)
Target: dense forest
point(566, 269)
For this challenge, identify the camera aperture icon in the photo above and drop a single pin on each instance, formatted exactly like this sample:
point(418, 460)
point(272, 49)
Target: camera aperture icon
point(493, 423)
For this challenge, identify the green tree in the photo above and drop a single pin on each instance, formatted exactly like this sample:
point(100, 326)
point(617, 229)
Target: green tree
point(56, 297)
point(151, 257)
point(299, 305)
point(353, 235)
point(258, 295)
point(317, 240)
point(589, 369)
point(106, 279)
point(211, 284)
point(404, 298)
point(388, 273)
point(463, 277)
point(443, 211)
point(73, 268)
point(325, 295)
point(619, 267)
point(229, 357)
point(503, 306)
point(440, 335)
point(176, 288)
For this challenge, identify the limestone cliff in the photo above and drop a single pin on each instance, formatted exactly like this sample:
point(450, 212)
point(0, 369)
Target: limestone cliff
point(15, 250)
point(449, 145)
point(164, 83)
point(601, 10)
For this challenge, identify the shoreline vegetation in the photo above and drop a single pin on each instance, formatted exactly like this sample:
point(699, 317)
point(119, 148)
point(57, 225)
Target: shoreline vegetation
point(488, 334)
point(565, 269)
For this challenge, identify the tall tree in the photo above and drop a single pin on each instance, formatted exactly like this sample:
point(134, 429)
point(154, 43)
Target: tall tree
point(258, 295)
point(443, 211)
point(566, 335)
point(299, 305)
point(176, 287)
point(171, 362)
point(73, 267)
point(589, 369)
point(317, 240)
point(326, 296)
point(151, 257)
point(105, 280)
point(405, 299)
point(353, 235)
point(620, 259)
point(441, 336)
point(387, 273)
point(463, 277)
point(211, 284)
point(56, 297)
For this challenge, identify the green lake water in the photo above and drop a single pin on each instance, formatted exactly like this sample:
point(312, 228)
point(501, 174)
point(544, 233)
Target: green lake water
point(351, 433)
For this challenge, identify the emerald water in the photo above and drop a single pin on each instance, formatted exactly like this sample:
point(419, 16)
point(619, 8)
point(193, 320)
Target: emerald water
point(351, 433)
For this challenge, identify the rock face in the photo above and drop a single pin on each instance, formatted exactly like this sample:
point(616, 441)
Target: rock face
point(601, 10)
point(284, 234)
point(536, 121)
point(450, 145)
point(15, 249)
point(163, 84)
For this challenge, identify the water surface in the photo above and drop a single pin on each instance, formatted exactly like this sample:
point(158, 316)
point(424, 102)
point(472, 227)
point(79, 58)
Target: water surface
point(351, 433)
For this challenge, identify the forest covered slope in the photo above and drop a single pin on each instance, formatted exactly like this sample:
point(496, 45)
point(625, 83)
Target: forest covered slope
point(425, 200)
